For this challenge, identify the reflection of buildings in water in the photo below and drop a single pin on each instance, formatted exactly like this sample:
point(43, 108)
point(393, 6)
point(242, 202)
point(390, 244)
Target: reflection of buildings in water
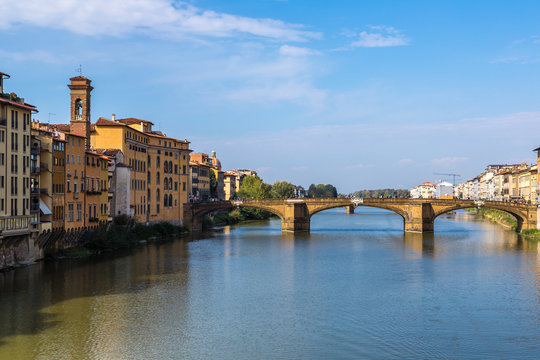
point(89, 308)
point(479, 233)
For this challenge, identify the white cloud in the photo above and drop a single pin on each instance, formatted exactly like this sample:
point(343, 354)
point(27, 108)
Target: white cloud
point(381, 36)
point(156, 17)
point(358, 166)
point(517, 60)
point(290, 91)
point(39, 56)
point(288, 50)
point(448, 161)
point(405, 162)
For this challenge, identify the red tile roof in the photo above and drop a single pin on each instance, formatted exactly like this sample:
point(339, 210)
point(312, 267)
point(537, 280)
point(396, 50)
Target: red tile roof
point(129, 121)
point(17, 104)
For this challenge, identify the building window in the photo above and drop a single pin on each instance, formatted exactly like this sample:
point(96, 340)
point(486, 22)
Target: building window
point(79, 212)
point(70, 212)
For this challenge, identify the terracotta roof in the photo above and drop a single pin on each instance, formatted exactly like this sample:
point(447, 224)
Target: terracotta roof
point(60, 127)
point(17, 104)
point(79, 77)
point(108, 152)
point(129, 121)
point(106, 122)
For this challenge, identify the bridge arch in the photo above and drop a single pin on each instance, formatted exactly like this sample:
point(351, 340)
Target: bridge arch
point(270, 209)
point(418, 214)
point(396, 210)
point(516, 213)
point(195, 212)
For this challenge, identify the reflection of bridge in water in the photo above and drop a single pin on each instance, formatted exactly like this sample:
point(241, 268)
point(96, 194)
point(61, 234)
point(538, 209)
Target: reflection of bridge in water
point(418, 214)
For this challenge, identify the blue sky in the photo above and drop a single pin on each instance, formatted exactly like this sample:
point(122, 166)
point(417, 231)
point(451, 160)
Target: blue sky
point(360, 94)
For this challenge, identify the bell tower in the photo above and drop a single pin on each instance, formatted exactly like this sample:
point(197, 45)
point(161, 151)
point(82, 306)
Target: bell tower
point(80, 107)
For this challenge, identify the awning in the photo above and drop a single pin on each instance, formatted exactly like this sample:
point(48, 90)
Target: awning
point(44, 208)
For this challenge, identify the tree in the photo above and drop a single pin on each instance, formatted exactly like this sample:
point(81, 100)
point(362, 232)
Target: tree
point(253, 188)
point(322, 191)
point(282, 190)
point(213, 184)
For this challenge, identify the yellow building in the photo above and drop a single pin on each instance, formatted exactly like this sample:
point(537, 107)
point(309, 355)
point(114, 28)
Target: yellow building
point(229, 181)
point(75, 180)
point(43, 184)
point(15, 139)
point(527, 178)
point(159, 166)
point(104, 190)
point(95, 171)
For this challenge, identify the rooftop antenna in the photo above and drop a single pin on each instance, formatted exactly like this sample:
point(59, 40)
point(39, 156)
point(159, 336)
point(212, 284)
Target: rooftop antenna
point(79, 69)
point(50, 116)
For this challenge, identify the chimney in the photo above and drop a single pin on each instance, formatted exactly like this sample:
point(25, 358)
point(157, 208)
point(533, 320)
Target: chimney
point(113, 117)
point(2, 77)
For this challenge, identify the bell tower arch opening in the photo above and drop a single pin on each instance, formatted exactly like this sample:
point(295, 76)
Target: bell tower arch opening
point(80, 93)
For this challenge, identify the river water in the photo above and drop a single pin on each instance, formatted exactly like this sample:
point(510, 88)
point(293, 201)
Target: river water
point(357, 287)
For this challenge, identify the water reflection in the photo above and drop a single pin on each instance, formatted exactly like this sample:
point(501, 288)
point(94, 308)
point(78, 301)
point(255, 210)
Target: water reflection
point(81, 301)
point(356, 287)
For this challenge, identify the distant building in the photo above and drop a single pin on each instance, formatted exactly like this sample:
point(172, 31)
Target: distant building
point(233, 181)
point(444, 190)
point(299, 192)
point(426, 190)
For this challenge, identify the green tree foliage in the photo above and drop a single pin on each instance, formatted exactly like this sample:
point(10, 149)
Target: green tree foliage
point(322, 191)
point(282, 190)
point(385, 193)
point(213, 185)
point(253, 188)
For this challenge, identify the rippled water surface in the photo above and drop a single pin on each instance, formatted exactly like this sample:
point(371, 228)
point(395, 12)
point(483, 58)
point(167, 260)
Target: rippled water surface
point(357, 287)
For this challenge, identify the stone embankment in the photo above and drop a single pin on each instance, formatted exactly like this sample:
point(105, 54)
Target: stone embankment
point(508, 221)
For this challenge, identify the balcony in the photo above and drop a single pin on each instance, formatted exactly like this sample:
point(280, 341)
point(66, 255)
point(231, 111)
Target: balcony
point(35, 191)
point(34, 151)
point(34, 170)
point(14, 225)
point(76, 195)
point(3, 121)
point(43, 166)
point(44, 191)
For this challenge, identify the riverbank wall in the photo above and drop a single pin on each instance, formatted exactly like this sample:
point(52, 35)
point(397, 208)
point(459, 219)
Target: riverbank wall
point(496, 216)
point(22, 250)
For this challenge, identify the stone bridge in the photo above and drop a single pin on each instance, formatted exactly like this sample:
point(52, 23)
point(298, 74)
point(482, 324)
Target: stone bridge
point(418, 214)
